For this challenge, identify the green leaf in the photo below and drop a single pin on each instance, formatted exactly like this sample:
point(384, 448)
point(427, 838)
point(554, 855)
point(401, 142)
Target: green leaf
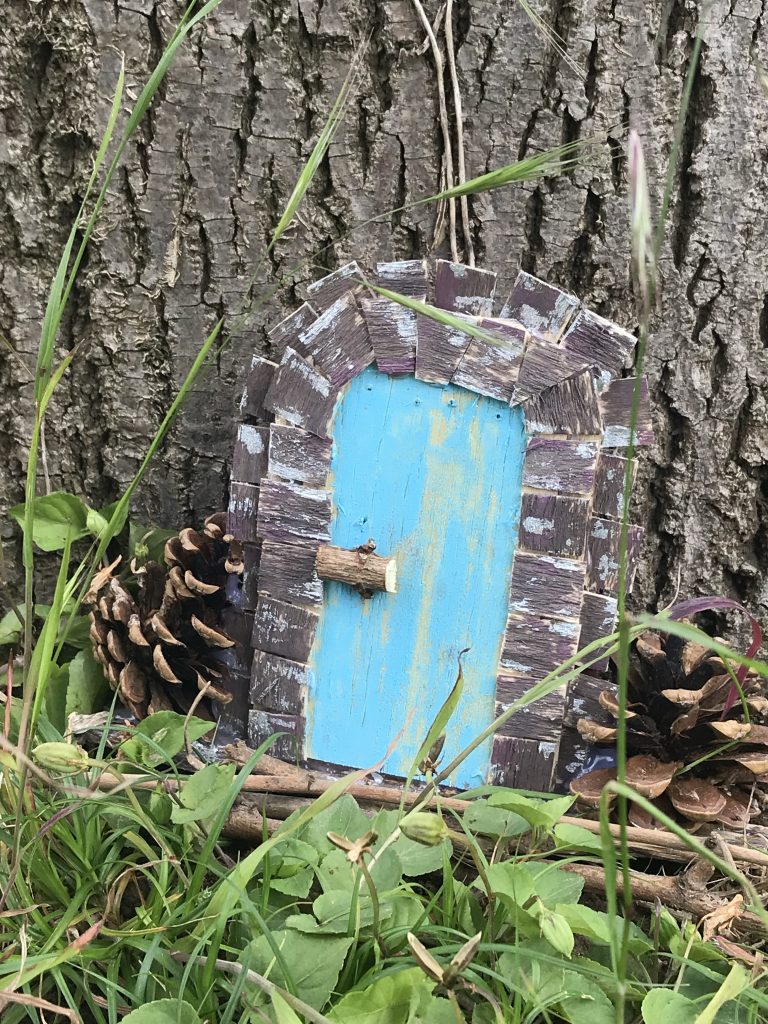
point(574, 837)
point(662, 1004)
point(539, 813)
point(735, 983)
point(56, 516)
point(483, 819)
point(11, 628)
point(56, 696)
point(283, 1012)
point(202, 795)
point(298, 885)
point(511, 880)
point(333, 909)
point(87, 690)
point(122, 516)
point(336, 872)
point(96, 523)
point(292, 856)
point(227, 894)
point(394, 999)
point(344, 817)
point(556, 931)
point(553, 885)
point(584, 1002)
point(596, 926)
point(163, 730)
point(439, 723)
point(163, 1011)
point(315, 962)
point(78, 631)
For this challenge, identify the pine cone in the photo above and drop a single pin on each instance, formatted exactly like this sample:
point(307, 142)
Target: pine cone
point(678, 692)
point(156, 628)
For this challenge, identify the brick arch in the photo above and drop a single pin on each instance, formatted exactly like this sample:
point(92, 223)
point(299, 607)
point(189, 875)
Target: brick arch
point(561, 363)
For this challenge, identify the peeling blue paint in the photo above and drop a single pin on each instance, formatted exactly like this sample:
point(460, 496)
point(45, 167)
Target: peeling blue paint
point(434, 476)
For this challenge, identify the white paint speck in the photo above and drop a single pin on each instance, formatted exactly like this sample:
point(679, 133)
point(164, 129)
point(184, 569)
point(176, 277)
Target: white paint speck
point(536, 526)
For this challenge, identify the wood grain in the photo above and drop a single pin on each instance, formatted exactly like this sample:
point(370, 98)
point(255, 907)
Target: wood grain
point(327, 290)
point(598, 619)
point(286, 333)
point(566, 467)
point(545, 365)
point(540, 720)
point(249, 457)
point(568, 408)
point(603, 537)
point(546, 585)
point(522, 763)
point(241, 513)
point(287, 573)
point(573, 758)
point(257, 383)
point(406, 277)
point(489, 369)
point(609, 485)
point(278, 684)
point(298, 456)
point(393, 332)
point(237, 624)
point(338, 341)
point(464, 289)
point(553, 524)
point(283, 629)
point(533, 646)
point(364, 571)
point(616, 410)
point(293, 512)
point(263, 724)
point(542, 309)
point(582, 700)
point(439, 349)
point(602, 344)
point(301, 394)
point(242, 588)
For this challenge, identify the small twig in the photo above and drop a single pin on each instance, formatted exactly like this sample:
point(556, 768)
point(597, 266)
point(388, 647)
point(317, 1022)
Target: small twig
point(190, 713)
point(435, 28)
point(666, 888)
point(444, 125)
point(21, 998)
point(229, 967)
point(469, 252)
point(658, 842)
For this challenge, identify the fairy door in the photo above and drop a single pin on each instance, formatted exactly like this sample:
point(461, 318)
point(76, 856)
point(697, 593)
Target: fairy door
point(433, 475)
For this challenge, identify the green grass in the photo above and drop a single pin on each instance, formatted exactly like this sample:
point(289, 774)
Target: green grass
point(120, 903)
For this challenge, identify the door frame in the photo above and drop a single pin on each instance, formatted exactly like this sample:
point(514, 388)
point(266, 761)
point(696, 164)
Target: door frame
point(544, 352)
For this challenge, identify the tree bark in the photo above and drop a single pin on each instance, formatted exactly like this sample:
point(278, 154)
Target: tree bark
point(185, 227)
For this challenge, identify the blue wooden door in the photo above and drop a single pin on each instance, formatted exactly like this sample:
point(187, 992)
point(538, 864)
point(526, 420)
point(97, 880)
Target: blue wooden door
point(433, 475)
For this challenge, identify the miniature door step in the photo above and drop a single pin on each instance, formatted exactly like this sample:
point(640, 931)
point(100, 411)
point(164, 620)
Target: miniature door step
point(492, 477)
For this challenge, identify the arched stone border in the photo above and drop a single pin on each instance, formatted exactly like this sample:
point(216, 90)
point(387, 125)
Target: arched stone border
point(561, 362)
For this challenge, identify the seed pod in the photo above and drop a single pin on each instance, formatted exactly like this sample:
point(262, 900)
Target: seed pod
point(63, 758)
point(425, 828)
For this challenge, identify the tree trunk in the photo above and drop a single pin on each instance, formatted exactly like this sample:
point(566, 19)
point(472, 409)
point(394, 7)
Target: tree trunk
point(186, 224)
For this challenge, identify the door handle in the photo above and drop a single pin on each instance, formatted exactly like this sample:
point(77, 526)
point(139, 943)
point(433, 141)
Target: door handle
point(358, 567)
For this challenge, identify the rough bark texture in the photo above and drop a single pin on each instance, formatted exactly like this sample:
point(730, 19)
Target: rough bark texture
point(187, 221)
